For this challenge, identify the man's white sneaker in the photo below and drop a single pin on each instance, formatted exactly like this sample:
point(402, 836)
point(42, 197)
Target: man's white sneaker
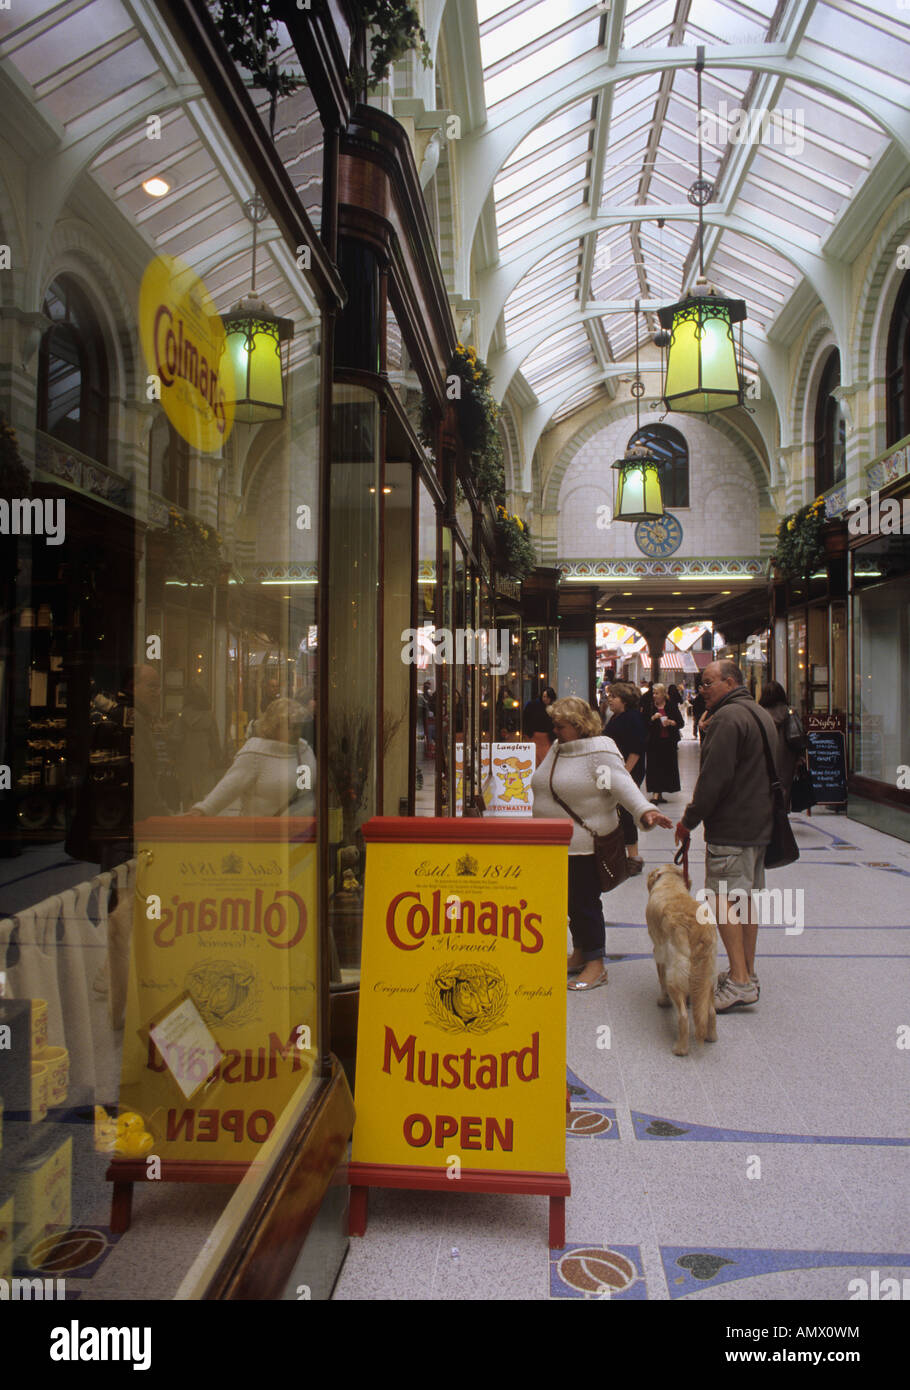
point(725, 975)
point(730, 995)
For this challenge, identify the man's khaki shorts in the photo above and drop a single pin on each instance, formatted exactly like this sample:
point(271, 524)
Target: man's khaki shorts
point(734, 866)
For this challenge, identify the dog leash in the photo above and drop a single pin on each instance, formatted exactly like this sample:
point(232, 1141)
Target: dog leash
point(682, 856)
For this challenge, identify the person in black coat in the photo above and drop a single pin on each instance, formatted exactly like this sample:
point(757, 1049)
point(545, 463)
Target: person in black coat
point(774, 699)
point(537, 726)
point(698, 708)
point(663, 737)
point(629, 732)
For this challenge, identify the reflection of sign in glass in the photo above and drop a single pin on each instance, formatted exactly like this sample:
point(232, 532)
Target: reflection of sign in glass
point(183, 342)
point(233, 935)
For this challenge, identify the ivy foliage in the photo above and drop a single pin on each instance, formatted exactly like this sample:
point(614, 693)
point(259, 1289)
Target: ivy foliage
point(14, 476)
point(800, 545)
point(193, 550)
point(515, 545)
point(468, 387)
point(396, 31)
point(250, 34)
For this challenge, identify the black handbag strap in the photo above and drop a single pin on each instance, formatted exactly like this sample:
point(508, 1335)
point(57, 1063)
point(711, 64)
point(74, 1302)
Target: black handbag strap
point(556, 797)
point(776, 787)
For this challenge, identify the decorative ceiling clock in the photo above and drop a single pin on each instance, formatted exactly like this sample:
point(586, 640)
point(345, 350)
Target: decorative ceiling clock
point(660, 537)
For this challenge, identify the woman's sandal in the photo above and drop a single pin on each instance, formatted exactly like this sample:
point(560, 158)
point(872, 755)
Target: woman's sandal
point(578, 985)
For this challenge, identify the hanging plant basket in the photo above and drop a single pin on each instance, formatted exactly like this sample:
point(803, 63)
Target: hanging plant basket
point(15, 481)
point(516, 550)
point(477, 415)
point(192, 551)
point(396, 31)
point(249, 32)
point(800, 544)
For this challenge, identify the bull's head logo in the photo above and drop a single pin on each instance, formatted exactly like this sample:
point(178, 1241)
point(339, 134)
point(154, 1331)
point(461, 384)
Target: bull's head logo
point(467, 998)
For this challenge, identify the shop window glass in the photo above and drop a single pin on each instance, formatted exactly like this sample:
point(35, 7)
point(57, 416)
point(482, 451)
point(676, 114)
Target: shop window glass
point(352, 705)
point(830, 430)
point(425, 721)
point(897, 369)
point(72, 372)
point(881, 651)
point(175, 800)
point(396, 599)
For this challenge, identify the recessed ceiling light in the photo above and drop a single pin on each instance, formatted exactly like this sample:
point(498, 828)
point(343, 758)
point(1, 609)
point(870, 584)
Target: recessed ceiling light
point(677, 593)
point(726, 591)
point(155, 187)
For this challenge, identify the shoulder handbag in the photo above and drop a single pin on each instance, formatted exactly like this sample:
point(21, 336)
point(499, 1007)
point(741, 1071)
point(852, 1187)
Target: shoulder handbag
point(802, 792)
point(609, 850)
point(794, 734)
point(783, 848)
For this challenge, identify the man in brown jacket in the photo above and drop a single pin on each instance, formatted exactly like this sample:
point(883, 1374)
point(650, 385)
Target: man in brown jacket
point(732, 798)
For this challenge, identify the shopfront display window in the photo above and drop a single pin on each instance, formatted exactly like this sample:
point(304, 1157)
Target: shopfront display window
point(881, 650)
point(160, 947)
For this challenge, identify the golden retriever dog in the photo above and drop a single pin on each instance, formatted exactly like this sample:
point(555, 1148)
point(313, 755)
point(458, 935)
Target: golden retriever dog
point(685, 952)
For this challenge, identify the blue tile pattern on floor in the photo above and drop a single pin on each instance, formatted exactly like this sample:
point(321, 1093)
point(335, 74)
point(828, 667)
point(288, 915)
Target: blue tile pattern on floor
point(691, 1268)
point(592, 1116)
point(597, 1271)
point(655, 1127)
point(583, 1093)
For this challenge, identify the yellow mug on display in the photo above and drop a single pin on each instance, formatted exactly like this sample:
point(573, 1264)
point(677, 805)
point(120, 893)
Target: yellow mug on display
point(39, 1025)
point(40, 1080)
point(57, 1061)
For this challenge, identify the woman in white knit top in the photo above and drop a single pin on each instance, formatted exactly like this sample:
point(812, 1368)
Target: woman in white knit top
point(265, 774)
point(579, 760)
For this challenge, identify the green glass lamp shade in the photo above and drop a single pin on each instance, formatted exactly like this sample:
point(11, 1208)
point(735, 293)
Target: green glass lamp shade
point(638, 496)
point(702, 370)
point(253, 343)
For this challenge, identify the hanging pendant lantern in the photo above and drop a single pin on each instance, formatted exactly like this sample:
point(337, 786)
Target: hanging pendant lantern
point(638, 495)
point(254, 340)
point(703, 369)
point(254, 337)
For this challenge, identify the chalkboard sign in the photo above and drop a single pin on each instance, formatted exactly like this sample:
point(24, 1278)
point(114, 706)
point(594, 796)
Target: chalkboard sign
point(828, 766)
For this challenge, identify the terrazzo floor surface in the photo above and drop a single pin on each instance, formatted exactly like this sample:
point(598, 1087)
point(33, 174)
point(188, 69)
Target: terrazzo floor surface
point(774, 1164)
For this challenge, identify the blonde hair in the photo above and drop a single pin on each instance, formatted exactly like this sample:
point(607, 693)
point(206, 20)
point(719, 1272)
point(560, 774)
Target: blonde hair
point(659, 689)
point(578, 713)
point(281, 716)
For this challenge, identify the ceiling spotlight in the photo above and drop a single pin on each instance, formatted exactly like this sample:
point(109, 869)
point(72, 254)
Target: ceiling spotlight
point(155, 187)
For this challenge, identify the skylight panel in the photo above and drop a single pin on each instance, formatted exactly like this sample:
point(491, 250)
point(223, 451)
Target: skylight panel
point(521, 72)
point(509, 36)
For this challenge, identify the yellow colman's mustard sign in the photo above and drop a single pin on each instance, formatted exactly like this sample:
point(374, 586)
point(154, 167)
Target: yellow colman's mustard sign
point(183, 341)
point(221, 1002)
point(461, 1050)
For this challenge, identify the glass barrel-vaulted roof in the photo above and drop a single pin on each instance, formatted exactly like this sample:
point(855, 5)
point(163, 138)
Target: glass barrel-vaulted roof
point(786, 154)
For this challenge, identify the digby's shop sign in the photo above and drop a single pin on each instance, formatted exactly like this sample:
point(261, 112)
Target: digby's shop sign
point(461, 1052)
point(183, 342)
